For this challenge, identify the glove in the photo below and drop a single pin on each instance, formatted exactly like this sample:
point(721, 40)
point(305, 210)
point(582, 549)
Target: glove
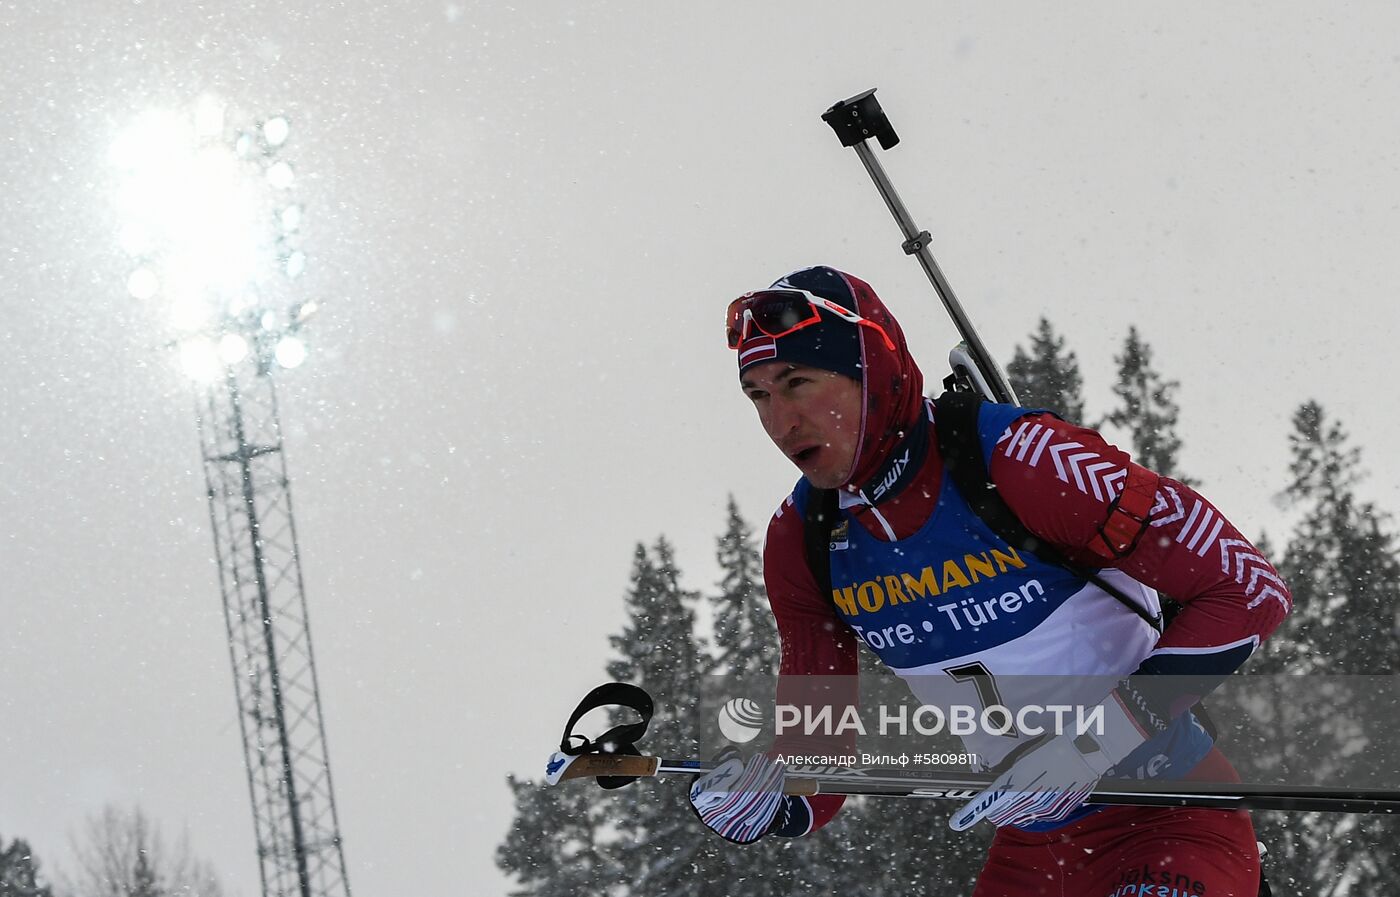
point(1054, 775)
point(739, 801)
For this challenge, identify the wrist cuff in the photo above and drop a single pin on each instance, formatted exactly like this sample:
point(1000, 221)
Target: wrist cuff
point(794, 818)
point(1119, 736)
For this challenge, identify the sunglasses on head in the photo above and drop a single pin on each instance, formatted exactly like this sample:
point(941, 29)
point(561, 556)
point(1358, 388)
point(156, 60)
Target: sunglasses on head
point(778, 312)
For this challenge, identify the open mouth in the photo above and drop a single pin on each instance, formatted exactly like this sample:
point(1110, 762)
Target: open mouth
point(806, 454)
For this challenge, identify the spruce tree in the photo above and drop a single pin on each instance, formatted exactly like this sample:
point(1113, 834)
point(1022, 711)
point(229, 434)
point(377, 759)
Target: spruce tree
point(642, 839)
point(747, 650)
point(19, 871)
point(143, 877)
point(1342, 570)
point(556, 846)
point(661, 846)
point(1341, 562)
point(746, 639)
point(1048, 375)
point(660, 651)
point(1146, 408)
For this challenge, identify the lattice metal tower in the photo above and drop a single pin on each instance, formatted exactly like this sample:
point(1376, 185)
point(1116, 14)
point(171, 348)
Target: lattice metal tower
point(284, 742)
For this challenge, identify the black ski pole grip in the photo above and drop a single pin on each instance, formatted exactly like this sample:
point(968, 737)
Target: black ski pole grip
point(860, 118)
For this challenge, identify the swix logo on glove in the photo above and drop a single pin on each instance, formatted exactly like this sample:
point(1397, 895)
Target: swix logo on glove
point(971, 814)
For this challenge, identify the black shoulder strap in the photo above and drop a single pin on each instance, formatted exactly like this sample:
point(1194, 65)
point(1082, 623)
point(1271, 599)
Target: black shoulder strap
point(955, 422)
point(818, 521)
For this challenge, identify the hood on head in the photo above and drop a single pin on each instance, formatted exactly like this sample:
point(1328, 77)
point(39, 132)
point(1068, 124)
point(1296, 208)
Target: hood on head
point(892, 386)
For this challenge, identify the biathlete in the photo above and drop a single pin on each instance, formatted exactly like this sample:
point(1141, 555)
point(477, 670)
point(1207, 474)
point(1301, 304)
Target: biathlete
point(918, 575)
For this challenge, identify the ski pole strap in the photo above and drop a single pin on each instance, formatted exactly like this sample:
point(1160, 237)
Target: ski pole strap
point(617, 740)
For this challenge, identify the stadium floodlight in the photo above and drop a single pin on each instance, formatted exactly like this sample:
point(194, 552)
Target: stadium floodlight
point(210, 222)
point(275, 131)
point(280, 175)
point(209, 117)
point(191, 218)
point(290, 352)
point(143, 283)
point(213, 231)
point(233, 348)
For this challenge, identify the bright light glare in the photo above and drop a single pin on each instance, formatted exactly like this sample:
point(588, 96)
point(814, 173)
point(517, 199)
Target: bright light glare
point(233, 348)
point(190, 311)
point(290, 352)
point(156, 137)
point(196, 210)
point(280, 175)
point(200, 359)
point(209, 117)
point(143, 283)
point(275, 131)
point(134, 239)
point(242, 302)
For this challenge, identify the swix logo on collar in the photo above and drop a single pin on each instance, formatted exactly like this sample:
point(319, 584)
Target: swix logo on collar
point(900, 466)
point(895, 472)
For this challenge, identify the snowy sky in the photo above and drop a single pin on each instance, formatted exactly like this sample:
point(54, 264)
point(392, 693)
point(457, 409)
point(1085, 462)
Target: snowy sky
point(525, 222)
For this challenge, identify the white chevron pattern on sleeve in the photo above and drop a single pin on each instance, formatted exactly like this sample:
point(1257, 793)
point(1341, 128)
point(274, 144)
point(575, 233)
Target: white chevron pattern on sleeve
point(1029, 441)
point(1238, 558)
point(1092, 475)
point(1167, 508)
point(1198, 525)
point(1028, 437)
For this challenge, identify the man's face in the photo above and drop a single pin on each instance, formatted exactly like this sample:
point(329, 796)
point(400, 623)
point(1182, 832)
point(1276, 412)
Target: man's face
point(812, 415)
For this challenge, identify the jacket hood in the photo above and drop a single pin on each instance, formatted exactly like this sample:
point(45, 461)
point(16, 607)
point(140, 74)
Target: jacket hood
point(892, 386)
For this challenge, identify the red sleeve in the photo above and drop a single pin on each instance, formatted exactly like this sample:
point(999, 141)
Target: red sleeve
point(1064, 482)
point(815, 643)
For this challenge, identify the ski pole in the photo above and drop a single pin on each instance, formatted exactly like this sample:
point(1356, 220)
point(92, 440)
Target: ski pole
point(614, 761)
point(895, 782)
point(857, 119)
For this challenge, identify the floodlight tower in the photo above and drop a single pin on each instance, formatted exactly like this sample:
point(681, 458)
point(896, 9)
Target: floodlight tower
point(211, 219)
